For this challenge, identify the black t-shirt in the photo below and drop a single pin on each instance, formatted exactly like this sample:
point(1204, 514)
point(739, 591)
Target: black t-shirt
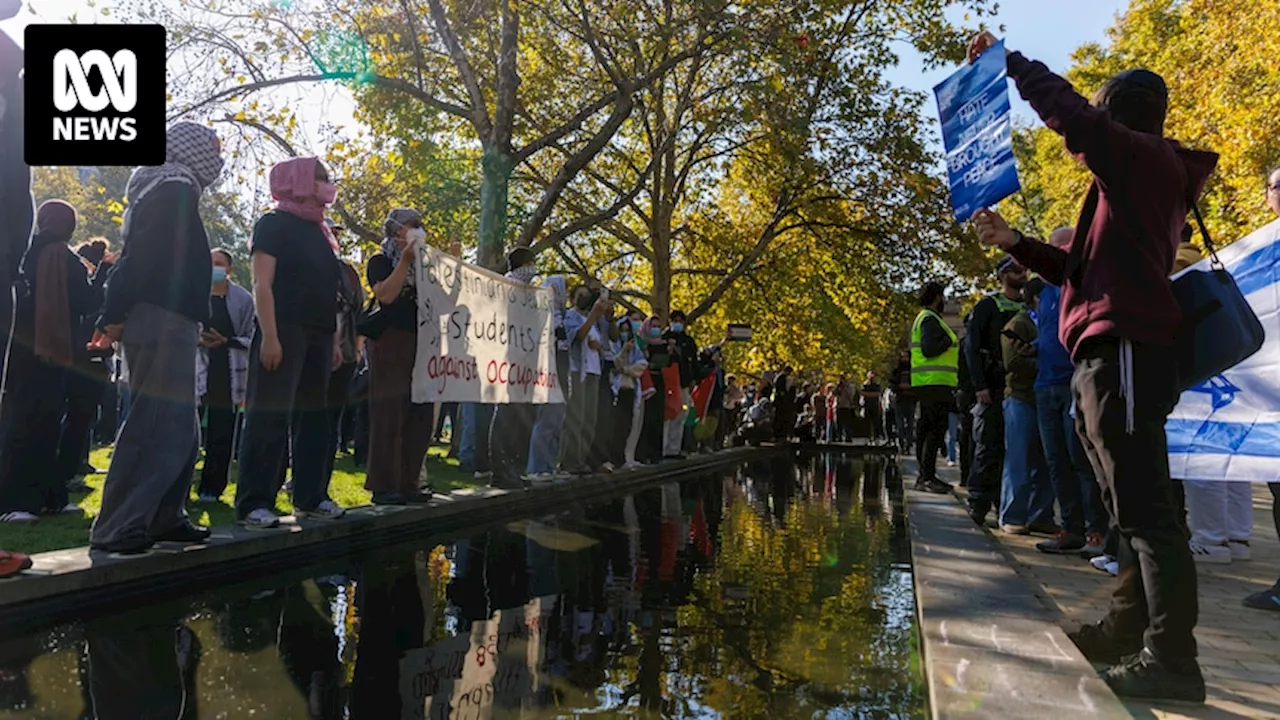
point(306, 282)
point(403, 313)
point(218, 386)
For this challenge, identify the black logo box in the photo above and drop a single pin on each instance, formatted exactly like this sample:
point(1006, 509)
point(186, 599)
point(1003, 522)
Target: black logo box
point(42, 42)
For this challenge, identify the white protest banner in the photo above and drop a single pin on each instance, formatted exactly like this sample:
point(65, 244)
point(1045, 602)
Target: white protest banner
point(1228, 428)
point(481, 337)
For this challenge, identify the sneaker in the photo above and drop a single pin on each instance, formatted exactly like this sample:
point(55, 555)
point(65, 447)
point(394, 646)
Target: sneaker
point(606, 468)
point(260, 519)
point(1041, 528)
point(326, 510)
point(1093, 546)
point(1268, 599)
point(935, 486)
point(1008, 529)
point(1211, 554)
point(13, 563)
point(1100, 562)
point(186, 533)
point(1061, 544)
point(19, 517)
point(77, 484)
point(207, 499)
point(388, 498)
point(951, 463)
point(1112, 568)
point(1240, 551)
point(1098, 647)
point(482, 475)
point(1145, 678)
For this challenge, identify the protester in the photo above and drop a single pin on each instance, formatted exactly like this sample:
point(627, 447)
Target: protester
point(600, 454)
point(43, 359)
point(399, 429)
point(847, 398)
point(86, 381)
point(544, 441)
point(935, 364)
point(1026, 494)
point(653, 417)
point(631, 366)
point(1119, 317)
point(784, 403)
point(986, 370)
point(512, 426)
point(1084, 518)
point(904, 402)
point(871, 399)
point(155, 303)
point(735, 400)
point(586, 362)
point(1269, 599)
point(338, 406)
point(223, 372)
point(685, 356)
point(296, 280)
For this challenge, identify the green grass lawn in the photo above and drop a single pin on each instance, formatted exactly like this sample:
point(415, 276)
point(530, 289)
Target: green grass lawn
point(346, 488)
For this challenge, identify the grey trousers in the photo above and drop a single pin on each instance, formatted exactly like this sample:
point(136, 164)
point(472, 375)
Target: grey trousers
point(150, 477)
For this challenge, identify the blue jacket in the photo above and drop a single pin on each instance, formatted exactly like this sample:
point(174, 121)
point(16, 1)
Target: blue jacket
point(1053, 363)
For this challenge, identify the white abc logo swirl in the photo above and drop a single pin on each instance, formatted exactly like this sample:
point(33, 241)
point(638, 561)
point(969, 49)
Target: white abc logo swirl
point(71, 81)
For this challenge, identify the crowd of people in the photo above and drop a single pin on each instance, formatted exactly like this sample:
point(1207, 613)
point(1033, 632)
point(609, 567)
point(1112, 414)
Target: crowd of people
point(276, 375)
point(1053, 413)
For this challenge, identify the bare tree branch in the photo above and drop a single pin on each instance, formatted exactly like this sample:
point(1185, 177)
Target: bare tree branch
point(508, 78)
point(479, 114)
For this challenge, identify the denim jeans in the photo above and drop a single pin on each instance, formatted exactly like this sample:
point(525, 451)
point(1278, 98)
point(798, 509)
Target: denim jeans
point(544, 444)
point(473, 455)
point(1026, 496)
point(905, 417)
point(953, 427)
point(1079, 500)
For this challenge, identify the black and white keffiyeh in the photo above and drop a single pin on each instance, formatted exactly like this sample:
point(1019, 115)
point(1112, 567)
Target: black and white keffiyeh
point(192, 156)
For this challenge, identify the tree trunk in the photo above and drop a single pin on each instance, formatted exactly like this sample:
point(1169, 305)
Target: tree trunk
point(496, 167)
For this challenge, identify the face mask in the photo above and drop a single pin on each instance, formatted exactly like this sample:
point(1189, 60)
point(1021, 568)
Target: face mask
point(624, 336)
point(677, 327)
point(219, 275)
point(416, 235)
point(585, 302)
point(655, 332)
point(326, 192)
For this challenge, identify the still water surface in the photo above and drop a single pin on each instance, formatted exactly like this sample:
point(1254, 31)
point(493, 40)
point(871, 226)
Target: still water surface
point(778, 589)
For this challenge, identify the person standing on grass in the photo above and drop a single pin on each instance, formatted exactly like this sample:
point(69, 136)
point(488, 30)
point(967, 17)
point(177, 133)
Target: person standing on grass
point(1084, 518)
point(512, 426)
point(223, 372)
point(86, 383)
point(1026, 496)
point(338, 405)
point(1119, 319)
point(155, 303)
point(399, 429)
point(296, 280)
point(935, 367)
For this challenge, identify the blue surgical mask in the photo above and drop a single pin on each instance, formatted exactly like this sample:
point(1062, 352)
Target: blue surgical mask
point(677, 327)
point(219, 274)
point(655, 332)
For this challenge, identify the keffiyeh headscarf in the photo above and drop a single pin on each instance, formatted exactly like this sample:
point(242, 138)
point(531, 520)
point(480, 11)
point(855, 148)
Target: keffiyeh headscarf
point(192, 156)
point(396, 219)
point(297, 192)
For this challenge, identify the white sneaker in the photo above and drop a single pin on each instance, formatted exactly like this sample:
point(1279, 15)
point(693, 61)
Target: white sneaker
point(483, 475)
point(951, 463)
point(207, 499)
point(261, 519)
point(326, 510)
point(1211, 554)
point(70, 509)
point(1240, 551)
point(1112, 568)
point(633, 465)
point(1101, 562)
point(18, 517)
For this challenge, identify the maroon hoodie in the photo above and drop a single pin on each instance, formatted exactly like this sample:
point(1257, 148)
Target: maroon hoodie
point(1120, 287)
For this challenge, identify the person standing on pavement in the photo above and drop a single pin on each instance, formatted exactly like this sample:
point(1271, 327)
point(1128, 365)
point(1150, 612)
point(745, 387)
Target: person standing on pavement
point(296, 276)
point(223, 372)
point(1026, 495)
point(685, 355)
point(545, 438)
point(1119, 320)
point(871, 397)
point(935, 367)
point(986, 370)
point(784, 394)
point(585, 366)
point(155, 303)
point(1269, 598)
point(1084, 518)
point(512, 426)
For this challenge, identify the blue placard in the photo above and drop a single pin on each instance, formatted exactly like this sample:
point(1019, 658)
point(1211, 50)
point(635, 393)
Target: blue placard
point(973, 105)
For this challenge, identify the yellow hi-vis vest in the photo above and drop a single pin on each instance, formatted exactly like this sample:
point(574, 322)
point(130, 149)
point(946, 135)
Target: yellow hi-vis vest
point(943, 370)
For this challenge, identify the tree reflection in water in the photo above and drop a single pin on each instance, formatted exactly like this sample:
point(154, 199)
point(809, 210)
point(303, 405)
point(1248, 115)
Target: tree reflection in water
point(778, 590)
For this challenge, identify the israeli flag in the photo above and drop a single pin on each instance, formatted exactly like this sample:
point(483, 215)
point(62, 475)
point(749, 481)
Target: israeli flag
point(1229, 427)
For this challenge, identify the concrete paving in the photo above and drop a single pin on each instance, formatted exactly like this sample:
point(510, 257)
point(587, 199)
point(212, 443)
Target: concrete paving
point(992, 647)
point(1239, 647)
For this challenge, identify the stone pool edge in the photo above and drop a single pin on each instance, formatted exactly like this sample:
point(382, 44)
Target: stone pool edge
point(64, 584)
point(990, 646)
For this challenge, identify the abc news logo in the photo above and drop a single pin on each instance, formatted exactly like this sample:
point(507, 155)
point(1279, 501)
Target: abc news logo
point(95, 97)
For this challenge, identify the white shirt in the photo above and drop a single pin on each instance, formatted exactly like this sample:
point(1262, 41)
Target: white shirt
point(591, 358)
